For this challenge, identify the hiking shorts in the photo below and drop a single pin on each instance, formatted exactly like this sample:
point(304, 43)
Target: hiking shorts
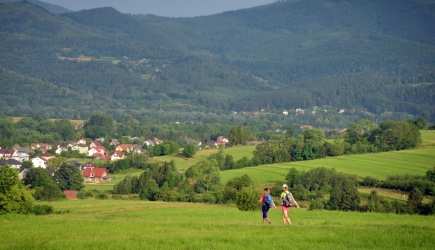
point(284, 208)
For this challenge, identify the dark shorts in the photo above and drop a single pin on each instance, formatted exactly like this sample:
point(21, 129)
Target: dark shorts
point(265, 209)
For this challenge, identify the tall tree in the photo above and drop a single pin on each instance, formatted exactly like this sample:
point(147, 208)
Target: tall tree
point(14, 197)
point(68, 177)
point(238, 135)
point(344, 193)
point(100, 125)
point(190, 150)
point(37, 177)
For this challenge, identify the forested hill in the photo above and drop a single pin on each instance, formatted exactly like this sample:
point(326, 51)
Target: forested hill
point(370, 55)
point(53, 8)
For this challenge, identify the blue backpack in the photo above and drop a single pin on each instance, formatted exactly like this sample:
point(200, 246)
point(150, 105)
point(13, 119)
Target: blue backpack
point(268, 201)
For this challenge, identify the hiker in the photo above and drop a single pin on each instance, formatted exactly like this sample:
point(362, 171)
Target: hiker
point(267, 202)
point(288, 201)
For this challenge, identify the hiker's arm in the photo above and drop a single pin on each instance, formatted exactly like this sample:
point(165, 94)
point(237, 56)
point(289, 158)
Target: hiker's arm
point(295, 202)
point(273, 204)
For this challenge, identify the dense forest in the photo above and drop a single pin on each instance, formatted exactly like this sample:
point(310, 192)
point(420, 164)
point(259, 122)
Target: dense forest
point(376, 58)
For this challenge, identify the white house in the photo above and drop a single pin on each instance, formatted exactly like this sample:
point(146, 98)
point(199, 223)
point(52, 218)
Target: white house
point(23, 156)
point(300, 111)
point(285, 112)
point(118, 155)
point(39, 162)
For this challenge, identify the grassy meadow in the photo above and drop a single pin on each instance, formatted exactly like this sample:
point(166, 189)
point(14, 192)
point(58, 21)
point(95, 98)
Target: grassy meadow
point(380, 165)
point(116, 224)
point(135, 224)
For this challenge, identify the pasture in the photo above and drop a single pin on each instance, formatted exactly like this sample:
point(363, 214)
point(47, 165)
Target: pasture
point(115, 224)
point(380, 165)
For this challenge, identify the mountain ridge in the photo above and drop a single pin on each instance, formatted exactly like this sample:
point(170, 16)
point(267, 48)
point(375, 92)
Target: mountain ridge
point(237, 60)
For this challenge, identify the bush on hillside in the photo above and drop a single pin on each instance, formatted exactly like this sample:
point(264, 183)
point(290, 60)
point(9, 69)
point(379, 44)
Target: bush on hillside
point(246, 199)
point(42, 209)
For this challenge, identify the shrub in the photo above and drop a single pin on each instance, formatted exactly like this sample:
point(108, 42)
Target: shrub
point(246, 199)
point(369, 181)
point(318, 203)
point(81, 195)
point(426, 186)
point(102, 196)
point(42, 209)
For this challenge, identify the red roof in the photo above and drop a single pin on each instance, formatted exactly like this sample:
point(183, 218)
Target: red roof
point(120, 154)
point(98, 172)
point(125, 146)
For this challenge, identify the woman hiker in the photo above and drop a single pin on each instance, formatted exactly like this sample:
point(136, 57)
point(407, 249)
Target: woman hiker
point(266, 203)
point(287, 200)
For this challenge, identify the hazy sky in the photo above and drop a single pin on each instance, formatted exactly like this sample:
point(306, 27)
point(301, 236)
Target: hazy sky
point(171, 8)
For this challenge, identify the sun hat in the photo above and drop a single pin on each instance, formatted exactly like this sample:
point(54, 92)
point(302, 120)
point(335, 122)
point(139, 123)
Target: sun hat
point(284, 186)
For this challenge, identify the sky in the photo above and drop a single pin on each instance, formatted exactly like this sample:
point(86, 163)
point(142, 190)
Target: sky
point(167, 8)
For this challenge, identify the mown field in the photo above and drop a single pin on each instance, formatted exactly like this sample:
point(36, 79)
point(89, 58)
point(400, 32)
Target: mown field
point(380, 165)
point(116, 224)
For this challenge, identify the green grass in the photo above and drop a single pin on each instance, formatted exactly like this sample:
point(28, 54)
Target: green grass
point(380, 165)
point(114, 224)
point(428, 137)
point(184, 163)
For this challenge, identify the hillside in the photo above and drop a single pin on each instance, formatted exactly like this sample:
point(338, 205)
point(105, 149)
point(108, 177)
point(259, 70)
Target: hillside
point(53, 8)
point(368, 55)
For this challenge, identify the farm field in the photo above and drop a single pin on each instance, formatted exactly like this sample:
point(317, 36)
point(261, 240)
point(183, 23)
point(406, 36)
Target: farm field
point(380, 165)
point(115, 224)
point(183, 163)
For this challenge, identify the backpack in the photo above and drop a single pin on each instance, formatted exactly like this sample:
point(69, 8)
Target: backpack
point(268, 201)
point(287, 200)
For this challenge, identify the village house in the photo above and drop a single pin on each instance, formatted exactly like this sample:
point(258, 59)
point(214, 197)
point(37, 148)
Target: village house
point(82, 141)
point(157, 140)
point(300, 111)
point(94, 144)
point(9, 154)
point(88, 165)
point(71, 144)
point(211, 144)
point(11, 162)
point(342, 111)
point(100, 150)
point(285, 112)
point(194, 142)
point(95, 175)
point(39, 162)
point(118, 155)
point(26, 150)
point(149, 143)
point(60, 149)
point(138, 149)
point(23, 156)
point(47, 156)
point(23, 173)
point(124, 147)
point(222, 138)
point(114, 142)
point(305, 127)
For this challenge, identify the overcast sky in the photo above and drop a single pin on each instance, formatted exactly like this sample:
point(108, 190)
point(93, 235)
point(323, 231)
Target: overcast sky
point(169, 8)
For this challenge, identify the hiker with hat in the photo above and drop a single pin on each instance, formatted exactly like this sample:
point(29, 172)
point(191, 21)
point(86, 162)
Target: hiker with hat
point(288, 201)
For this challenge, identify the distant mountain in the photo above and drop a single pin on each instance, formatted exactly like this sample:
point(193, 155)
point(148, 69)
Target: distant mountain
point(53, 8)
point(376, 56)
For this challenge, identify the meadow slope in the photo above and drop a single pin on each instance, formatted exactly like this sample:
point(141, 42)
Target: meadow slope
point(115, 224)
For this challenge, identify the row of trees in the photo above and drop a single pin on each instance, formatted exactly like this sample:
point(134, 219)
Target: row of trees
point(362, 137)
point(315, 184)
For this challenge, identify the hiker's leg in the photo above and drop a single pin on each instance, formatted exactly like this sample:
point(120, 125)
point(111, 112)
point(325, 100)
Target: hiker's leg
point(264, 210)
